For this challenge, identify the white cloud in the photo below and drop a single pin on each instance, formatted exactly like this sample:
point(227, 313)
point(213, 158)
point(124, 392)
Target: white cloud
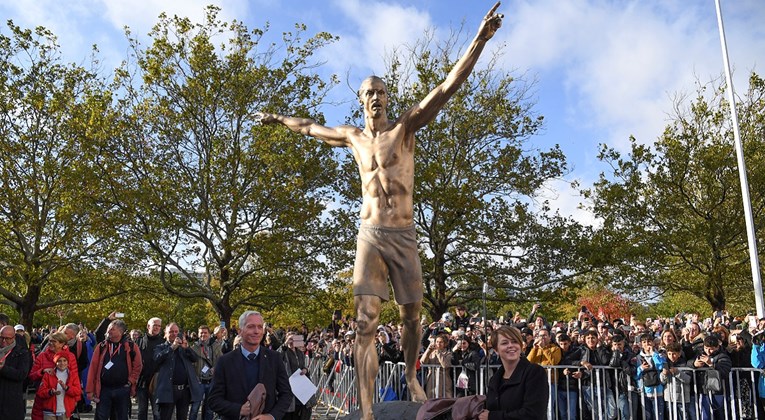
point(141, 15)
point(369, 33)
point(621, 63)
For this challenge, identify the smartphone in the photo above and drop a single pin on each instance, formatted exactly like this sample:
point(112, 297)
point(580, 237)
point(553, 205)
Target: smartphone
point(223, 324)
point(120, 315)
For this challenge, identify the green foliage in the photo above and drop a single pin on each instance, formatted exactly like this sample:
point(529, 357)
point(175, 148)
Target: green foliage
point(53, 245)
point(672, 213)
point(221, 209)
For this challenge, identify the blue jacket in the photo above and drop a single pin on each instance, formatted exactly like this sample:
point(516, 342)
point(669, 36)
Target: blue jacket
point(758, 361)
point(658, 362)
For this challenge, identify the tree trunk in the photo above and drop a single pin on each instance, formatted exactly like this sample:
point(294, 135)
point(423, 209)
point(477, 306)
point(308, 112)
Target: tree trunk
point(715, 294)
point(28, 306)
point(225, 311)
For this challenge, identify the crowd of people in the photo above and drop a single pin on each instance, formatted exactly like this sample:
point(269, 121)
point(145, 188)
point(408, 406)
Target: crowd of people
point(652, 362)
point(623, 368)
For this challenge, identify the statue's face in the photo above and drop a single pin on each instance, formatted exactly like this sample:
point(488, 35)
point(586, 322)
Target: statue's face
point(373, 97)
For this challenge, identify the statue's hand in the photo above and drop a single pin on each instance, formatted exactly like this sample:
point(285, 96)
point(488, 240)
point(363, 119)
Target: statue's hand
point(263, 118)
point(491, 22)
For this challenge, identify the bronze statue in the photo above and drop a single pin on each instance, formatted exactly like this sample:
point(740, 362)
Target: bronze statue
point(386, 245)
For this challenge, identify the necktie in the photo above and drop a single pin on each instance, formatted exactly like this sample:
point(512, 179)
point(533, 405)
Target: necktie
point(251, 356)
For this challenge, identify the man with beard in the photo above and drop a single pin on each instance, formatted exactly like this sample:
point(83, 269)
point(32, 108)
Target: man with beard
point(113, 373)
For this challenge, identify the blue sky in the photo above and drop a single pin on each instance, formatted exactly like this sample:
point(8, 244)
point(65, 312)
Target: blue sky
point(604, 69)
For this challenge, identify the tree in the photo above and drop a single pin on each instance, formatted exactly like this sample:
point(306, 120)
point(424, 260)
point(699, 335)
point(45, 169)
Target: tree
point(53, 245)
point(476, 180)
point(222, 209)
point(672, 213)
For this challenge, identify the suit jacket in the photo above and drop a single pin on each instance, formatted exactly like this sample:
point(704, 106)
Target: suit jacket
point(229, 390)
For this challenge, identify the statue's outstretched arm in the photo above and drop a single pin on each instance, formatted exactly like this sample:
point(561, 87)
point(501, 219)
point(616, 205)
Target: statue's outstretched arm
point(334, 136)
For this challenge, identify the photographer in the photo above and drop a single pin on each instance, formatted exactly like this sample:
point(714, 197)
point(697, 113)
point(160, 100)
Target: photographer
point(177, 382)
point(442, 326)
point(387, 348)
point(712, 358)
point(439, 379)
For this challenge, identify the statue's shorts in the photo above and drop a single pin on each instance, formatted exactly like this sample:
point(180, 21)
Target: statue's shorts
point(383, 252)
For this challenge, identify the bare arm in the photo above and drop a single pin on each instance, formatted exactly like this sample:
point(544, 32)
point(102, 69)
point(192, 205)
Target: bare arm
point(421, 114)
point(337, 136)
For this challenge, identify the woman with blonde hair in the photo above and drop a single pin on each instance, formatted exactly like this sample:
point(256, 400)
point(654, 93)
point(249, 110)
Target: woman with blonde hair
point(519, 389)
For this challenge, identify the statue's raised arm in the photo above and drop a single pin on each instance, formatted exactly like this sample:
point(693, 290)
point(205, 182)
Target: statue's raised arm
point(424, 112)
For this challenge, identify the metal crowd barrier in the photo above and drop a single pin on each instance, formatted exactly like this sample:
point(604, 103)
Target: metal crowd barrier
point(598, 393)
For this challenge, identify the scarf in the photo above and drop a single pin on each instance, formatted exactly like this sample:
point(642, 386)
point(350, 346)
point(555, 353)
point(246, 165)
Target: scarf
point(4, 351)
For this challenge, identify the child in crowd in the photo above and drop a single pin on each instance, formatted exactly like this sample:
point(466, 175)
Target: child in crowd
point(677, 393)
point(59, 391)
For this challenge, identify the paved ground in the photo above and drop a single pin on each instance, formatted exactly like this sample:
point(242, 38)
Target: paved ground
point(320, 413)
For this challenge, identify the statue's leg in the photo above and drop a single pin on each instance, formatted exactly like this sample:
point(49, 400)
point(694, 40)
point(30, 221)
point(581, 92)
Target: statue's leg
point(410, 344)
point(365, 355)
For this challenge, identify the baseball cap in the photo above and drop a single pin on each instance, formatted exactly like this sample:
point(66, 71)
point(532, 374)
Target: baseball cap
point(19, 327)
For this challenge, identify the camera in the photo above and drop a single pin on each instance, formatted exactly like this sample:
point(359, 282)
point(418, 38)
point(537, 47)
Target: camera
point(439, 325)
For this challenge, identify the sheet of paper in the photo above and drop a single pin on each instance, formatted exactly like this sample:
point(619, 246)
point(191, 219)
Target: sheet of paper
point(302, 387)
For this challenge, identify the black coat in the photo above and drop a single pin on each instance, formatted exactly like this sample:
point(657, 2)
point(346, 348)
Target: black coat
point(229, 390)
point(12, 375)
point(524, 396)
point(164, 363)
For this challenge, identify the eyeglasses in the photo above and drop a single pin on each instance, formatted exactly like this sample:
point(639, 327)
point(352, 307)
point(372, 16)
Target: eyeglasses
point(11, 338)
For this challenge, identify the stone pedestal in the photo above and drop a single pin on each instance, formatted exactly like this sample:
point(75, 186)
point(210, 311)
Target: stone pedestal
point(390, 410)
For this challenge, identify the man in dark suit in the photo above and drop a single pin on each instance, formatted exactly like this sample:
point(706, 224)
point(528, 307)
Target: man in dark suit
point(237, 373)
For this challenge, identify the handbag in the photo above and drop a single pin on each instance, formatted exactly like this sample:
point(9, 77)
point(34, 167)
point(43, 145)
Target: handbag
point(650, 377)
point(327, 368)
point(153, 383)
point(712, 381)
point(462, 379)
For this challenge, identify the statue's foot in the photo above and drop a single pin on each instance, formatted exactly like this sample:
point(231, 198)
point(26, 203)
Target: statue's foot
point(367, 415)
point(416, 391)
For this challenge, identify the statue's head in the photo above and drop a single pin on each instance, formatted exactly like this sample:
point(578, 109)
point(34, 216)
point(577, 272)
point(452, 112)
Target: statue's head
point(373, 96)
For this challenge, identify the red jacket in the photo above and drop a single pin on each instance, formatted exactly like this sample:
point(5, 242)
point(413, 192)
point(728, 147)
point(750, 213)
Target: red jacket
point(45, 360)
point(71, 395)
point(93, 387)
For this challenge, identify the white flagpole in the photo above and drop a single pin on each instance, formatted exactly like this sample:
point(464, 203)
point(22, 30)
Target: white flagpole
point(754, 261)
